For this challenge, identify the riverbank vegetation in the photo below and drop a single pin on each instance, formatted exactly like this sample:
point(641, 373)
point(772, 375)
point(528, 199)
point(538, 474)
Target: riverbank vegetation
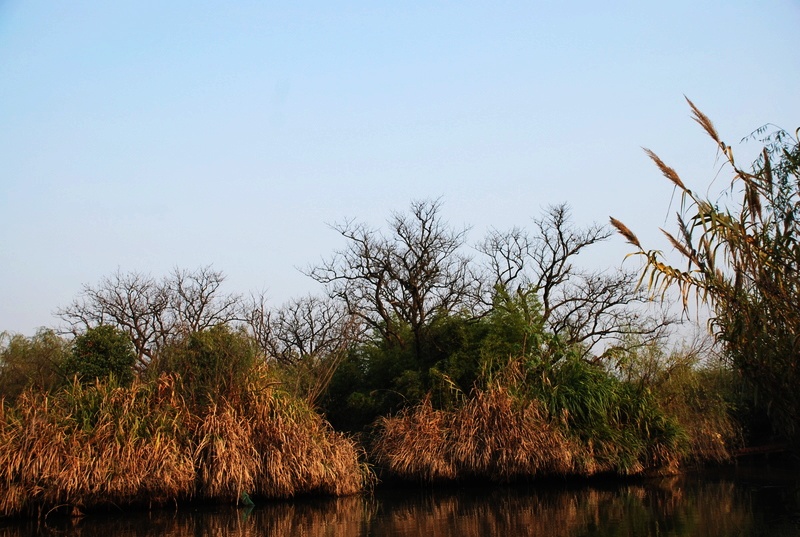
point(742, 259)
point(224, 430)
point(421, 361)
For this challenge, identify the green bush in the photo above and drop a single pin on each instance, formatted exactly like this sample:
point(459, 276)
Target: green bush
point(99, 353)
point(212, 363)
point(31, 362)
point(623, 422)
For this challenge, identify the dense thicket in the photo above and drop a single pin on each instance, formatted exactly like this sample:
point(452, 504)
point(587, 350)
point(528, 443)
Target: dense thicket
point(217, 426)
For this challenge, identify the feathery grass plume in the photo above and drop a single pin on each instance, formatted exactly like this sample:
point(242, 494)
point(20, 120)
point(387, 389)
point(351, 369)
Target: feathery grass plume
point(667, 171)
point(766, 168)
point(753, 199)
point(704, 122)
point(682, 248)
point(625, 232)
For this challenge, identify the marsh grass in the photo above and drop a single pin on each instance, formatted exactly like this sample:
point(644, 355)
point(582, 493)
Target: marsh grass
point(301, 453)
point(227, 461)
point(101, 444)
point(526, 423)
point(90, 446)
point(493, 436)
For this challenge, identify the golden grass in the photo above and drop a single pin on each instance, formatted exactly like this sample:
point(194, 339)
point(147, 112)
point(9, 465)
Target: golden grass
point(107, 445)
point(51, 454)
point(492, 436)
point(626, 232)
point(301, 453)
point(415, 444)
point(227, 460)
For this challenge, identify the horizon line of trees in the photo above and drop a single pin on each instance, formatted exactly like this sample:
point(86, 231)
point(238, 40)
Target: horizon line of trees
point(392, 285)
point(409, 312)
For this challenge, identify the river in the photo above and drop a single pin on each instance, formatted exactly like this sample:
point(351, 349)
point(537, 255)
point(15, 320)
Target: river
point(730, 502)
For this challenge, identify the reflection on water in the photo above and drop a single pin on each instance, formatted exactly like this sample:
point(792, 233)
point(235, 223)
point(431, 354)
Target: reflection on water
point(739, 503)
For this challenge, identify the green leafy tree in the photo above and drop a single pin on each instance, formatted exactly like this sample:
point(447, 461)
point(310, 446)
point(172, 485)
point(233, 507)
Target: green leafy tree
point(744, 261)
point(31, 362)
point(101, 352)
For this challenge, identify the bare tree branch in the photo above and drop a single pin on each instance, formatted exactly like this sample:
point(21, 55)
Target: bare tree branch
point(402, 279)
point(584, 308)
point(152, 312)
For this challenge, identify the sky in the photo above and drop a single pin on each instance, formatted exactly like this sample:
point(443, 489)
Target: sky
point(142, 136)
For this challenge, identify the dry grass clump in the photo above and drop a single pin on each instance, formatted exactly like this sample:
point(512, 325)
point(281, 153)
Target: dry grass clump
point(103, 444)
point(492, 436)
point(93, 445)
point(301, 453)
point(227, 462)
point(504, 438)
point(416, 444)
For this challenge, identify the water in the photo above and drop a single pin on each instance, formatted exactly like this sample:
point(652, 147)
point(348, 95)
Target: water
point(729, 503)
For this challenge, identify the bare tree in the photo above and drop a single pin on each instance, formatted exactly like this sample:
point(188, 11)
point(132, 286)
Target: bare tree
point(401, 280)
point(592, 309)
point(309, 336)
point(152, 312)
point(303, 328)
point(195, 299)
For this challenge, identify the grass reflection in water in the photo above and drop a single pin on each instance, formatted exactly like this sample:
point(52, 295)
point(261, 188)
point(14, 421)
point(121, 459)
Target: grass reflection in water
point(676, 506)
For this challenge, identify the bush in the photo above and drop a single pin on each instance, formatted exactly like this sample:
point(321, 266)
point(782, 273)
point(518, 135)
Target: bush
point(213, 363)
point(622, 423)
point(100, 353)
point(31, 362)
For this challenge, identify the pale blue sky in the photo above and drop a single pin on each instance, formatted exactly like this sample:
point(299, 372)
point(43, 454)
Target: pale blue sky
point(148, 135)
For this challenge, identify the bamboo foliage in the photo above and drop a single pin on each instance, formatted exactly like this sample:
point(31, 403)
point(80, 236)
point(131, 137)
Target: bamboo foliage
point(743, 261)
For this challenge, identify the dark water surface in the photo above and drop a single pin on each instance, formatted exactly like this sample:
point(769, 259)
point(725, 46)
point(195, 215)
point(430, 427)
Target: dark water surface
point(754, 501)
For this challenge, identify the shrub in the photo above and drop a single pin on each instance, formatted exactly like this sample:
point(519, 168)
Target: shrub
point(100, 353)
point(36, 362)
point(213, 363)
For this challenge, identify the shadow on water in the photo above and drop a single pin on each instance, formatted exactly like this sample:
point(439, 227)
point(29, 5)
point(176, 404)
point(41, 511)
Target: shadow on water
point(731, 502)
